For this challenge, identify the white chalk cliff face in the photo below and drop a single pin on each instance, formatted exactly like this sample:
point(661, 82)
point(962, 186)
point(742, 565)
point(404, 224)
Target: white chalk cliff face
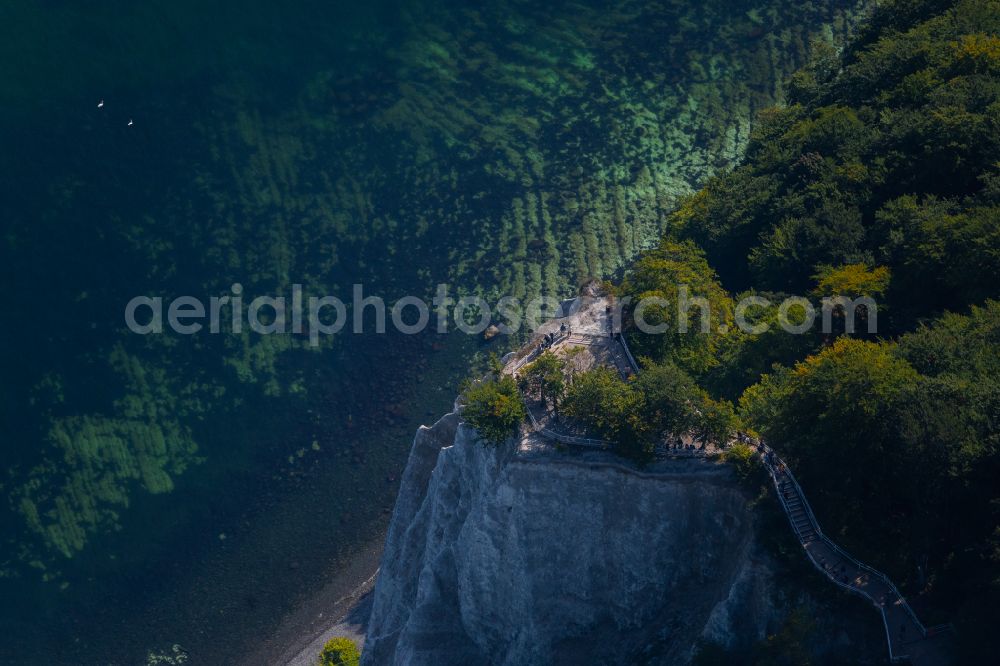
point(498, 557)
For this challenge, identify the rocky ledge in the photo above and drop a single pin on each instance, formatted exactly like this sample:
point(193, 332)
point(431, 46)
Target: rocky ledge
point(494, 557)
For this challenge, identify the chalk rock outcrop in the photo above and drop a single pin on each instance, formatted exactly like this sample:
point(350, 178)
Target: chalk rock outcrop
point(494, 557)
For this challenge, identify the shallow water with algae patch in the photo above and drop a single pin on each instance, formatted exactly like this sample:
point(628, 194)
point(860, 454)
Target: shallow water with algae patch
point(504, 147)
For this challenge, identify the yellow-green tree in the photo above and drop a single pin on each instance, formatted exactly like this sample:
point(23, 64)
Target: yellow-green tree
point(494, 408)
point(613, 410)
point(852, 280)
point(676, 296)
point(340, 651)
point(546, 376)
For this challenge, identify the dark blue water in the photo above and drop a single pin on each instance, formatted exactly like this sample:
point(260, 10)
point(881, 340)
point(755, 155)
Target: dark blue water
point(192, 489)
point(293, 448)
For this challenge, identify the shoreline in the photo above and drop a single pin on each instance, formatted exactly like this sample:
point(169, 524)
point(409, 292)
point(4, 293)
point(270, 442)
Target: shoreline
point(339, 608)
point(341, 604)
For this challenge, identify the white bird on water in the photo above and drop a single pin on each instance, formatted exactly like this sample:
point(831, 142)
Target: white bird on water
point(100, 105)
point(130, 123)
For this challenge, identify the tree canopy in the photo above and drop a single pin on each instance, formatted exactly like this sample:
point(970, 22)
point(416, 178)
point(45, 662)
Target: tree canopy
point(494, 408)
point(889, 157)
point(659, 403)
point(673, 288)
point(612, 409)
point(340, 651)
point(879, 178)
point(546, 377)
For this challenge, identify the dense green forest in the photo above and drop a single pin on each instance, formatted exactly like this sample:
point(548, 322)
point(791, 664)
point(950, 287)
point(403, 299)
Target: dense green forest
point(880, 177)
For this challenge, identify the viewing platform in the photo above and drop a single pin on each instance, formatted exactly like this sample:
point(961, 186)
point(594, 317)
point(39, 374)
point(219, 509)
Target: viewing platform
point(587, 337)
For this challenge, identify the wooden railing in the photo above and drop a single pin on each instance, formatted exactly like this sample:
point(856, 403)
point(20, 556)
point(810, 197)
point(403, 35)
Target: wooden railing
point(565, 439)
point(537, 351)
point(628, 353)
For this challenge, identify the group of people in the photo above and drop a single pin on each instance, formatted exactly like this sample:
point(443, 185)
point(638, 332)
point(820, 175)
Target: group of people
point(550, 339)
point(679, 445)
point(838, 572)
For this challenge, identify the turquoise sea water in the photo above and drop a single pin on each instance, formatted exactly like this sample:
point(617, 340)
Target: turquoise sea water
point(189, 489)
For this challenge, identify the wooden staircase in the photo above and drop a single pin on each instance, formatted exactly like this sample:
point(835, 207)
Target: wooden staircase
point(908, 640)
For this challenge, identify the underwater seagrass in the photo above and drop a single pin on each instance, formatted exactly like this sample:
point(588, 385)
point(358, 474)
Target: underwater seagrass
point(505, 148)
